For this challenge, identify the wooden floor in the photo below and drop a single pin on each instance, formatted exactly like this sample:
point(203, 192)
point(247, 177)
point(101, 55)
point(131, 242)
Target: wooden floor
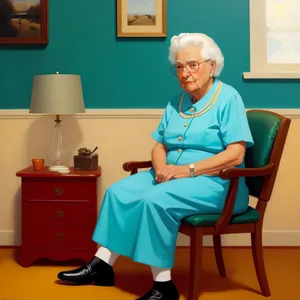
point(132, 279)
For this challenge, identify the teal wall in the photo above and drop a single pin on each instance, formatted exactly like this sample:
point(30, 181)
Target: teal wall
point(134, 73)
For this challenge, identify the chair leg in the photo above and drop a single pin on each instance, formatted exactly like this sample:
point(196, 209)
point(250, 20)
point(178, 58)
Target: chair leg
point(195, 263)
point(219, 255)
point(257, 253)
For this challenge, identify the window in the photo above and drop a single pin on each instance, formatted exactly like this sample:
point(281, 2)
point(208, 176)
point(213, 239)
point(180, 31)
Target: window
point(274, 39)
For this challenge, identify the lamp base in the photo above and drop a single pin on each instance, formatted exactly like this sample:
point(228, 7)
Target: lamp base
point(60, 169)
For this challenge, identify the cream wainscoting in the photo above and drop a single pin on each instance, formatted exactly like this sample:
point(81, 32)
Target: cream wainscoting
point(123, 135)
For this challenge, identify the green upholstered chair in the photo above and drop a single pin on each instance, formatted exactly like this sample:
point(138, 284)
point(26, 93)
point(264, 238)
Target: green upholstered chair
point(269, 132)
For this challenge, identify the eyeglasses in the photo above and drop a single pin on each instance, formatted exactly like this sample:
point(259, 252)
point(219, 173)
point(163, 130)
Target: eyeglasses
point(191, 67)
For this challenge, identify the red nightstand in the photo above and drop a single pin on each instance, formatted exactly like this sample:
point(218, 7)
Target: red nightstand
point(59, 213)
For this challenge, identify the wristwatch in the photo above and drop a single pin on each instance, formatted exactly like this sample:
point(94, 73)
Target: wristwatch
point(192, 170)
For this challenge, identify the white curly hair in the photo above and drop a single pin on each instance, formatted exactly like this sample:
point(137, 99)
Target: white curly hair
point(208, 47)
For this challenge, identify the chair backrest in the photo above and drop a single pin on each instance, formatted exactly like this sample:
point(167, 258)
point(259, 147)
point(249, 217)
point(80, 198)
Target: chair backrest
point(269, 131)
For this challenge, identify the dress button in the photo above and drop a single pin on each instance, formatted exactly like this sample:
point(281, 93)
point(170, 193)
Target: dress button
point(179, 150)
point(192, 109)
point(186, 124)
point(180, 138)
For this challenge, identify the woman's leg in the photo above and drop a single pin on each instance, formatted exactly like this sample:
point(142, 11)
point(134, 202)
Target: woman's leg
point(144, 225)
point(106, 255)
point(163, 287)
point(160, 274)
point(140, 218)
point(99, 269)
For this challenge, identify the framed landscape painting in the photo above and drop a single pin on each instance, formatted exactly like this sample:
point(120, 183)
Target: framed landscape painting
point(23, 21)
point(141, 18)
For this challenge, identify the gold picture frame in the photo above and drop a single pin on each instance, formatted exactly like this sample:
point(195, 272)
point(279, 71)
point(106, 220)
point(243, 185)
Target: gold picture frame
point(141, 18)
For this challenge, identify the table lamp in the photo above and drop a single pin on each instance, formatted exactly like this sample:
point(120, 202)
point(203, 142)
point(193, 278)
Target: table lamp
point(57, 94)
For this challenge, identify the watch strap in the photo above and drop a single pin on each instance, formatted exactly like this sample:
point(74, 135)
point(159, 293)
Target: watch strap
point(192, 170)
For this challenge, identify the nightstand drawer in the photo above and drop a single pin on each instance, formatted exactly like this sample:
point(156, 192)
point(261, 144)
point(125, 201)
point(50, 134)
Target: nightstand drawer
point(56, 213)
point(57, 190)
point(60, 237)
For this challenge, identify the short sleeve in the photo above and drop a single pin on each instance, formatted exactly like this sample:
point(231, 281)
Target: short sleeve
point(234, 123)
point(158, 134)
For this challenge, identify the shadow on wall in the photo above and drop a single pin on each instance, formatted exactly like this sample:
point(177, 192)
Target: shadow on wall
point(17, 218)
point(40, 135)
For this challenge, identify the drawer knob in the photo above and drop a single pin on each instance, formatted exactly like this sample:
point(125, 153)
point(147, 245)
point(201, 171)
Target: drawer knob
point(59, 236)
point(59, 214)
point(58, 191)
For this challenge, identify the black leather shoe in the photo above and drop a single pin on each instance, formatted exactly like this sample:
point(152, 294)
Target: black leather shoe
point(151, 295)
point(96, 271)
point(162, 291)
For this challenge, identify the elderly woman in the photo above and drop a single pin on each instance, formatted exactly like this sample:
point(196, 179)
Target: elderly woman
point(201, 133)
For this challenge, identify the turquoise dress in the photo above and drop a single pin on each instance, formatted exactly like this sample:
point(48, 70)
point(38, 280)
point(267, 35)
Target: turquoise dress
point(140, 218)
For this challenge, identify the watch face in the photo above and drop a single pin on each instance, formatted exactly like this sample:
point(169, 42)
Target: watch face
point(191, 166)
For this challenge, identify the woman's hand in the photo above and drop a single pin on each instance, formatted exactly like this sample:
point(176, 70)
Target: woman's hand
point(171, 172)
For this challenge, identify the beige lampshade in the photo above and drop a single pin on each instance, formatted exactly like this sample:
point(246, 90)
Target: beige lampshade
point(57, 94)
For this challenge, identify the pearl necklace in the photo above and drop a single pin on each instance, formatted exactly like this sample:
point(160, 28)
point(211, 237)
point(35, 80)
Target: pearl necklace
point(205, 109)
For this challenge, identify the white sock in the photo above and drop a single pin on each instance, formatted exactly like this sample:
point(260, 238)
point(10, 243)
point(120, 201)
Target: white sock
point(106, 255)
point(160, 274)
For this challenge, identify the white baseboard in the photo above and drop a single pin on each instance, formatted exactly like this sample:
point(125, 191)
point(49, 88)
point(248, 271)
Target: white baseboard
point(280, 238)
point(277, 238)
point(143, 113)
point(8, 238)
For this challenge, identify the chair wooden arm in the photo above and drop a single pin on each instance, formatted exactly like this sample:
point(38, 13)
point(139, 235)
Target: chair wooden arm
point(233, 175)
point(133, 166)
point(226, 216)
point(246, 172)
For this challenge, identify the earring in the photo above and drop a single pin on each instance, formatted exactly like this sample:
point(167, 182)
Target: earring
point(211, 75)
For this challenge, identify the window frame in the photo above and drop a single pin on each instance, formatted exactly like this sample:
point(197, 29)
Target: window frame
point(259, 66)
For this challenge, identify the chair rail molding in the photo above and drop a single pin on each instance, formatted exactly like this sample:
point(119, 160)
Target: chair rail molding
point(125, 113)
